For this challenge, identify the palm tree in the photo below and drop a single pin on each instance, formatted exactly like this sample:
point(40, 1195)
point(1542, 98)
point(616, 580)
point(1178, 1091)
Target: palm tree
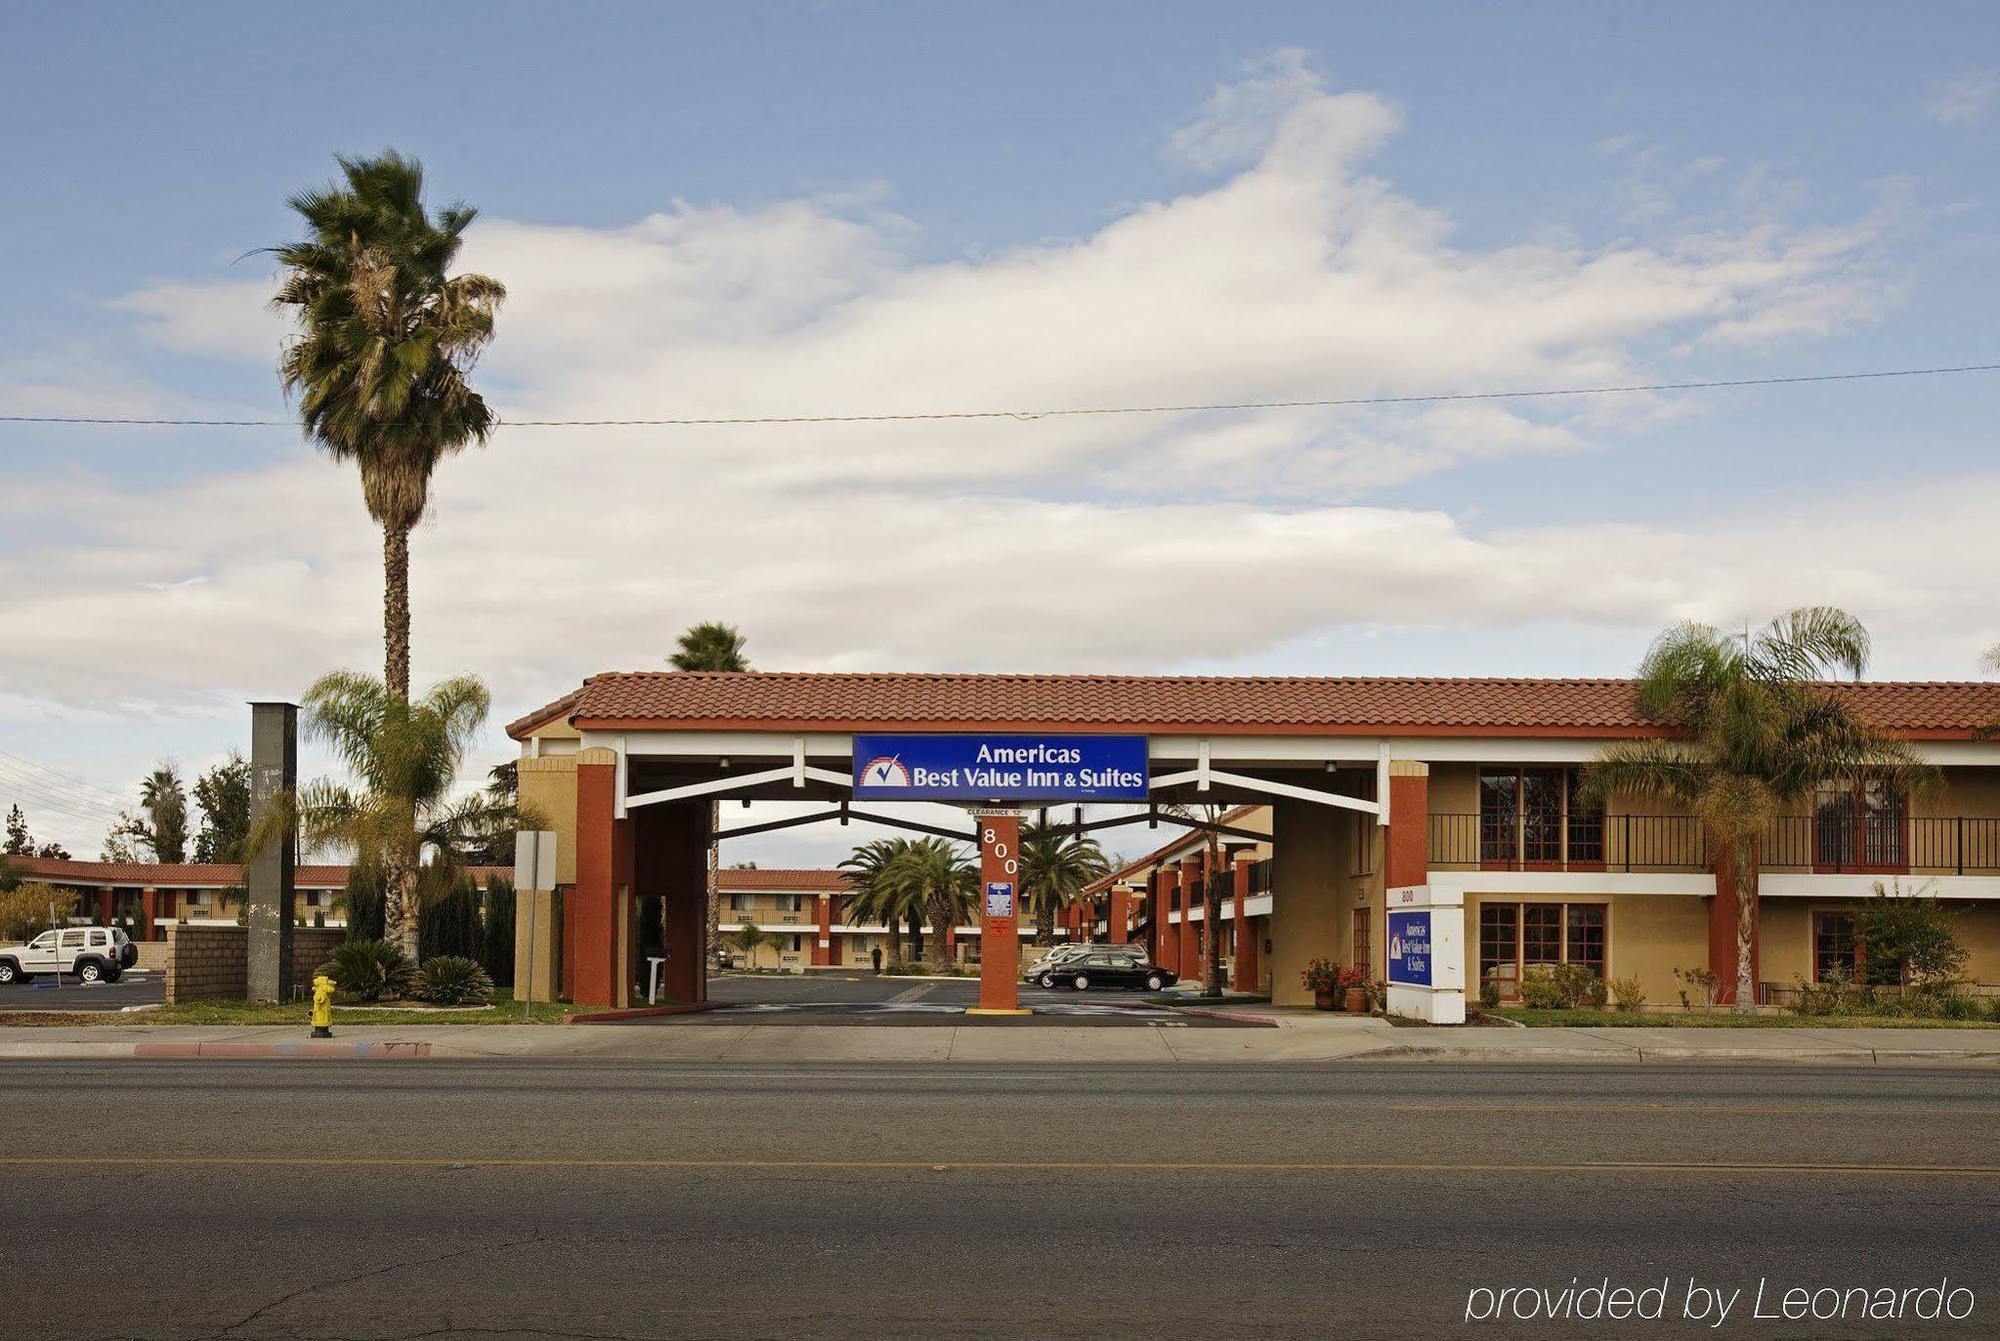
point(404, 755)
point(1207, 815)
point(1757, 730)
point(940, 878)
point(165, 802)
point(387, 341)
point(1056, 866)
point(709, 646)
point(874, 892)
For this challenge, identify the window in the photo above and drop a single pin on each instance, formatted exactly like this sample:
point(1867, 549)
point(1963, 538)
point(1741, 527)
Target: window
point(1541, 935)
point(1515, 937)
point(1586, 936)
point(1364, 949)
point(1499, 939)
point(1535, 818)
point(1834, 946)
point(1860, 828)
point(741, 903)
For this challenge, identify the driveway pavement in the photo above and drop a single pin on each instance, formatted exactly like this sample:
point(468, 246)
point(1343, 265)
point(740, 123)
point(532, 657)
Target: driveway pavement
point(872, 1001)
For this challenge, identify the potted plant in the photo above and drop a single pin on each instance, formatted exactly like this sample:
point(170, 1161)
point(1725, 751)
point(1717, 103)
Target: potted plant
point(1327, 981)
point(1354, 985)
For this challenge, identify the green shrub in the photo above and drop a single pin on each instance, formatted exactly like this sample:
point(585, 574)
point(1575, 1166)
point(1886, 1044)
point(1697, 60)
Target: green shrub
point(1596, 993)
point(1628, 994)
point(1540, 990)
point(497, 919)
point(448, 915)
point(1907, 938)
point(370, 970)
point(1489, 991)
point(365, 899)
point(453, 980)
point(1993, 1009)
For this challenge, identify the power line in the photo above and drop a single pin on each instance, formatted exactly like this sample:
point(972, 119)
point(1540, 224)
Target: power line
point(69, 778)
point(1078, 411)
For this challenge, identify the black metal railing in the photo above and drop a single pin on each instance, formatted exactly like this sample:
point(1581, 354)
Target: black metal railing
point(1863, 844)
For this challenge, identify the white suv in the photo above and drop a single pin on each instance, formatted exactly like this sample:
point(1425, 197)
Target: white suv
point(93, 954)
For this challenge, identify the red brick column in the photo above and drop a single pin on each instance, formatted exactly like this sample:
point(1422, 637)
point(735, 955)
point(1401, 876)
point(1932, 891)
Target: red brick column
point(1168, 956)
point(603, 881)
point(1244, 974)
point(1115, 921)
point(1192, 963)
point(999, 934)
point(105, 907)
point(1406, 859)
point(149, 906)
point(822, 949)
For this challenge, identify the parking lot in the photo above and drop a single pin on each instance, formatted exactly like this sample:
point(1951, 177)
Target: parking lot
point(136, 988)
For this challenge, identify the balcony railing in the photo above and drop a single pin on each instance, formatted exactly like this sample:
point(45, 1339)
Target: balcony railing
point(1862, 844)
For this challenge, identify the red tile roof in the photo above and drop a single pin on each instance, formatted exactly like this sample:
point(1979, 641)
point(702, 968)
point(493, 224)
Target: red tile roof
point(187, 875)
point(1165, 705)
point(740, 881)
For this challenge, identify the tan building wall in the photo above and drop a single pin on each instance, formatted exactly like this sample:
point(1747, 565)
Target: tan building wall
point(1313, 897)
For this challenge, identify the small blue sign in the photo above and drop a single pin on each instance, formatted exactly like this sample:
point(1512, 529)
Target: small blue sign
point(1410, 949)
point(999, 898)
point(999, 768)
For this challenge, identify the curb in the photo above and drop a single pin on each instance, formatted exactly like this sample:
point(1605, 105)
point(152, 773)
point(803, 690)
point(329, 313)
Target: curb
point(642, 1012)
point(317, 1050)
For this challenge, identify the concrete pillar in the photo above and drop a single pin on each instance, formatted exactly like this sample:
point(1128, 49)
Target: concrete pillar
point(1116, 929)
point(1244, 972)
point(270, 899)
point(1307, 855)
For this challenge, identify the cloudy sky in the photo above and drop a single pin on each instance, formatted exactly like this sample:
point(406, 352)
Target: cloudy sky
point(844, 208)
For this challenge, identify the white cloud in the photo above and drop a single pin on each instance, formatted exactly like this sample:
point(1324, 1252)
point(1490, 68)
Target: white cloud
point(1964, 98)
point(1129, 542)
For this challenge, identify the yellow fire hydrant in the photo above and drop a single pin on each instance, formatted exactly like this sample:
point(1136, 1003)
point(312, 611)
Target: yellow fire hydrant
point(322, 1016)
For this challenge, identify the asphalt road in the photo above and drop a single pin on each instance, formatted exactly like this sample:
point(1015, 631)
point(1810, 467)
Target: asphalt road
point(413, 1199)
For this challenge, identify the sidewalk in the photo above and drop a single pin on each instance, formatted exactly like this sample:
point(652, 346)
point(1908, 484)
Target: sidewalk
point(1305, 1037)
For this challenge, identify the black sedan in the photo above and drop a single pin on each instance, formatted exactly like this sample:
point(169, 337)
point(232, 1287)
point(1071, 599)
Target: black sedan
point(1107, 970)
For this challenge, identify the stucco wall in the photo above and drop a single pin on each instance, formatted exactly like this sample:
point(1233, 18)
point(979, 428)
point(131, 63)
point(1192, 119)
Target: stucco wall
point(1309, 917)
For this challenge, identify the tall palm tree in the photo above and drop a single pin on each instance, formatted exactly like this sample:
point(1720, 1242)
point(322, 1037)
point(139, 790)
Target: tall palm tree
point(387, 340)
point(1206, 815)
point(1757, 730)
point(709, 646)
point(404, 755)
point(1056, 866)
point(165, 802)
point(937, 876)
point(875, 893)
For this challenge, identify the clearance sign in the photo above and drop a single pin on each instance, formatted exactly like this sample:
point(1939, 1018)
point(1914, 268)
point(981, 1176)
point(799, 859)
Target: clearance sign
point(999, 768)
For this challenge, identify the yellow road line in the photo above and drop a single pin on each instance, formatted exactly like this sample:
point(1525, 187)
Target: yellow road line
point(1771, 1110)
point(979, 1165)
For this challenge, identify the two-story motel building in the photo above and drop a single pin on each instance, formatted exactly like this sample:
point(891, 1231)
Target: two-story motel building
point(1335, 790)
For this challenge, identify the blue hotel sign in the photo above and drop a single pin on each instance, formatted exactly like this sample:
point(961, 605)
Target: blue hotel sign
point(1410, 948)
point(999, 768)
